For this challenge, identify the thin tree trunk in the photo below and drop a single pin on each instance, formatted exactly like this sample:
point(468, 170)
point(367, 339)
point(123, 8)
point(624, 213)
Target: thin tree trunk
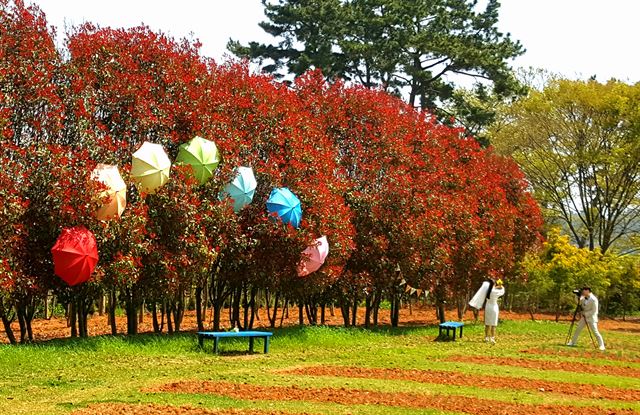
point(199, 311)
point(112, 311)
point(72, 319)
point(154, 317)
point(8, 330)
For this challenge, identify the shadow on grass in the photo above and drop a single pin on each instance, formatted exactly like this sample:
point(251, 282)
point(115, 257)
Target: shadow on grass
point(187, 341)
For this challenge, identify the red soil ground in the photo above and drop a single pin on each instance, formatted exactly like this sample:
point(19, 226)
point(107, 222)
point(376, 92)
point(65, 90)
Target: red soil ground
point(461, 379)
point(345, 396)
point(57, 327)
point(124, 409)
point(537, 364)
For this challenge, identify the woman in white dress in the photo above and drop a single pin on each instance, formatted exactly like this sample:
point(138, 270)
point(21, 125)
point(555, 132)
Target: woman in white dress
point(491, 312)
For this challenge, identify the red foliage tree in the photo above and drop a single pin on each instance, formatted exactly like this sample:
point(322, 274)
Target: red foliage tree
point(31, 109)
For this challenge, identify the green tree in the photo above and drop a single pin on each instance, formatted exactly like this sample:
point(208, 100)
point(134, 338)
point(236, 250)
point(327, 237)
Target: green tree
point(578, 143)
point(560, 268)
point(623, 296)
point(414, 47)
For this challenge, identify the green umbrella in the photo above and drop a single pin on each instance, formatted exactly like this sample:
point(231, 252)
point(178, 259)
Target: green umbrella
point(202, 155)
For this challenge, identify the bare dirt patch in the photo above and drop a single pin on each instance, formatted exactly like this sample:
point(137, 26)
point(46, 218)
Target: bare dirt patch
point(461, 379)
point(345, 396)
point(150, 409)
point(538, 364)
point(581, 355)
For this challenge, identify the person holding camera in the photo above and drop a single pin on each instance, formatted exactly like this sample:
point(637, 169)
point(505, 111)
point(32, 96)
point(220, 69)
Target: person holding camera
point(588, 317)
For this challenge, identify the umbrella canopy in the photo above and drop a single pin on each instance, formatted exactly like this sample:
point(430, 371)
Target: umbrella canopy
point(202, 155)
point(285, 205)
point(75, 255)
point(150, 167)
point(242, 188)
point(116, 191)
point(313, 257)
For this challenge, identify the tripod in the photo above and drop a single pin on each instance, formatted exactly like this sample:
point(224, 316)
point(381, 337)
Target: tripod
point(573, 321)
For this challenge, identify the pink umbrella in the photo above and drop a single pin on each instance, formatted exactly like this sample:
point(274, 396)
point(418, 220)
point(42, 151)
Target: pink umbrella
point(313, 257)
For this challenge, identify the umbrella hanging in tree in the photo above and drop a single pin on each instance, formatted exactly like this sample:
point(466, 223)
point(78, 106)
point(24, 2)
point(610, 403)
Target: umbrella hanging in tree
point(202, 155)
point(285, 205)
point(75, 255)
point(116, 191)
point(313, 257)
point(242, 188)
point(150, 167)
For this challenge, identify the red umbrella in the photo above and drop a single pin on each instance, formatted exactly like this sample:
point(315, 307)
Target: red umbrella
point(75, 255)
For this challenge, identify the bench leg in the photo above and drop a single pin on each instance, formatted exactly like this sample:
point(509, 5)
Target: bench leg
point(454, 334)
point(440, 332)
point(216, 344)
point(251, 344)
point(460, 331)
point(201, 341)
point(266, 345)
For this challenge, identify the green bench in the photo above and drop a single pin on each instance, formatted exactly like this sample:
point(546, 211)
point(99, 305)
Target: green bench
point(217, 335)
point(449, 326)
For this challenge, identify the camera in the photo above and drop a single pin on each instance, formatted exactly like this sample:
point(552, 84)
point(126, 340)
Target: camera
point(578, 293)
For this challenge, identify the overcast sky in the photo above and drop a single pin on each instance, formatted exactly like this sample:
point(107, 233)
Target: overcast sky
point(577, 38)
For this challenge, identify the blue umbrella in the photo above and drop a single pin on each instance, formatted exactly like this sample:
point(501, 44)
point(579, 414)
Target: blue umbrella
point(242, 188)
point(285, 205)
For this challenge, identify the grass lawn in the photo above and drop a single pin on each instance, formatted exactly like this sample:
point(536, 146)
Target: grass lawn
point(64, 376)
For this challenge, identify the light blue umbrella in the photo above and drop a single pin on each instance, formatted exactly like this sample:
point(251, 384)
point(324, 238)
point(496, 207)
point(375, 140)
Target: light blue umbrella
point(242, 188)
point(285, 205)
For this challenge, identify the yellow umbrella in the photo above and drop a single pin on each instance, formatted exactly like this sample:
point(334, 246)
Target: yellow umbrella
point(116, 191)
point(150, 167)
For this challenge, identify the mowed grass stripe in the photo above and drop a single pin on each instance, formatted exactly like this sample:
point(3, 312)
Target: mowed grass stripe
point(347, 396)
point(592, 356)
point(480, 381)
point(152, 409)
point(544, 365)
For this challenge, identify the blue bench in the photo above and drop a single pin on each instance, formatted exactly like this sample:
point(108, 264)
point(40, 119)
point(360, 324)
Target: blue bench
point(217, 335)
point(451, 325)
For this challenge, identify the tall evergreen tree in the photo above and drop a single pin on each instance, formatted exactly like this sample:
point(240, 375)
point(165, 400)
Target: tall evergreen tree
point(417, 48)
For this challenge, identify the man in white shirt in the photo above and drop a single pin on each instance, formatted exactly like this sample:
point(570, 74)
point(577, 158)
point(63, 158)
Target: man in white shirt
point(589, 316)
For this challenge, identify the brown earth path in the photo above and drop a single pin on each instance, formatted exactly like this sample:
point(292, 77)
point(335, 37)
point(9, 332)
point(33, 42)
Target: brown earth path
point(461, 379)
point(539, 364)
point(345, 396)
point(151, 409)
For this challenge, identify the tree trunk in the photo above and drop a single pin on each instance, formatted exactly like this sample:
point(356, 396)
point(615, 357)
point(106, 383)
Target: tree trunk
point(376, 306)
point(273, 317)
point(441, 311)
point(101, 306)
point(169, 322)
point(368, 308)
point(72, 319)
point(8, 330)
point(252, 308)
point(178, 312)
point(199, 314)
point(285, 312)
point(354, 311)
point(154, 317)
point(345, 309)
point(113, 303)
point(132, 316)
